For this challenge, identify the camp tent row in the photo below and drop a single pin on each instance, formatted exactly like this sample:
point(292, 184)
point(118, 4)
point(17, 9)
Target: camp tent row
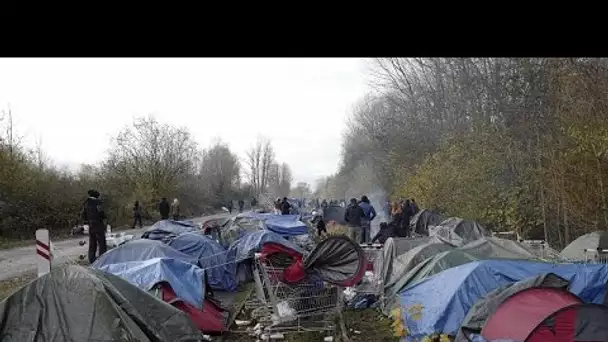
point(460, 265)
point(117, 297)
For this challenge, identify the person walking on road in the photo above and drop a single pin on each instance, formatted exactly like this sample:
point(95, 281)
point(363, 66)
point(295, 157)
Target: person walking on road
point(137, 215)
point(175, 209)
point(369, 214)
point(353, 216)
point(164, 208)
point(94, 215)
point(241, 205)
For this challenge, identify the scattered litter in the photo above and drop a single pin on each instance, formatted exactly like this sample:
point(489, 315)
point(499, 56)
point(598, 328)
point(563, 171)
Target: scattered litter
point(241, 323)
point(277, 336)
point(328, 339)
point(349, 294)
point(285, 313)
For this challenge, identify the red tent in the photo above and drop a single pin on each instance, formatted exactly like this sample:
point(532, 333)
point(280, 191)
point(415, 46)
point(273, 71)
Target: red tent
point(574, 323)
point(521, 313)
point(209, 320)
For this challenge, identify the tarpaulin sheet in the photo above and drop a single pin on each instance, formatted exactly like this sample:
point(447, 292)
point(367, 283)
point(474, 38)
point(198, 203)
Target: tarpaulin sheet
point(75, 303)
point(250, 243)
point(168, 227)
point(187, 280)
point(402, 264)
point(454, 291)
point(575, 251)
point(492, 247)
point(212, 257)
point(139, 250)
point(421, 221)
point(466, 230)
point(337, 260)
point(286, 225)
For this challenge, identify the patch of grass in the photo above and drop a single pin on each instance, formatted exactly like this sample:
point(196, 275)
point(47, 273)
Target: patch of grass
point(371, 325)
point(10, 243)
point(8, 287)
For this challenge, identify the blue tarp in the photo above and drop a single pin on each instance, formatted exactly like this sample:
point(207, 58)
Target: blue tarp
point(250, 243)
point(168, 227)
point(139, 250)
point(285, 225)
point(479, 338)
point(439, 304)
point(186, 280)
point(213, 258)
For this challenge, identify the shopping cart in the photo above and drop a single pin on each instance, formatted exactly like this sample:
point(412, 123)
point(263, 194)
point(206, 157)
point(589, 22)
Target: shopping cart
point(279, 307)
point(372, 282)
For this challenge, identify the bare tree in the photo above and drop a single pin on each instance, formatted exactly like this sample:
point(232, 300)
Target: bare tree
point(220, 172)
point(259, 161)
point(153, 157)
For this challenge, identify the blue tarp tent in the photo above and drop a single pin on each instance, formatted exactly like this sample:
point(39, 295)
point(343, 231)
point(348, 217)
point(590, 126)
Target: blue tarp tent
point(186, 280)
point(286, 225)
point(139, 250)
point(250, 243)
point(213, 258)
point(168, 227)
point(439, 304)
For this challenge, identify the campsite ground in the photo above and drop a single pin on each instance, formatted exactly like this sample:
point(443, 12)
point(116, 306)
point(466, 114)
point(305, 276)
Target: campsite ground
point(362, 325)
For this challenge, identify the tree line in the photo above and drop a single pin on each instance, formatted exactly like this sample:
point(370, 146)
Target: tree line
point(514, 143)
point(147, 160)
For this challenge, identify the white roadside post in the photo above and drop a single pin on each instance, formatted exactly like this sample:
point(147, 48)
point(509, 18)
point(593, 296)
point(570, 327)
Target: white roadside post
point(43, 250)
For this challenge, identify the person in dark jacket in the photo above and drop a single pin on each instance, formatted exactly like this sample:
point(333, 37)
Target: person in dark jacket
point(414, 207)
point(404, 224)
point(285, 206)
point(241, 205)
point(137, 215)
point(320, 224)
point(370, 214)
point(353, 216)
point(254, 202)
point(164, 208)
point(386, 231)
point(94, 216)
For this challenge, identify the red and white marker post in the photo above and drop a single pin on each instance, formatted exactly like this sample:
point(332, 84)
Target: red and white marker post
point(43, 251)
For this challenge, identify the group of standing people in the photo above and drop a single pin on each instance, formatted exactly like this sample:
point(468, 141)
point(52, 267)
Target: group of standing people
point(401, 214)
point(283, 206)
point(240, 203)
point(358, 217)
point(165, 209)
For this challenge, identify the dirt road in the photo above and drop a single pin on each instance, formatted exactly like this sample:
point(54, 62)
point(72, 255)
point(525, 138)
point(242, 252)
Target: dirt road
point(18, 261)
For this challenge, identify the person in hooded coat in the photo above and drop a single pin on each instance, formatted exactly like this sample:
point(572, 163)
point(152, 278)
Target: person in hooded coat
point(241, 205)
point(94, 215)
point(164, 208)
point(285, 206)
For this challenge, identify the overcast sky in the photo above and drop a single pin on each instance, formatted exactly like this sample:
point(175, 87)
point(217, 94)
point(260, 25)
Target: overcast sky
point(74, 106)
